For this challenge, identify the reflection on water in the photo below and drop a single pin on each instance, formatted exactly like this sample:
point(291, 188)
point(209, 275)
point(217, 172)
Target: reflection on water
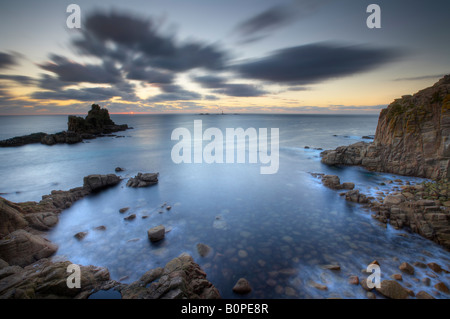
point(275, 230)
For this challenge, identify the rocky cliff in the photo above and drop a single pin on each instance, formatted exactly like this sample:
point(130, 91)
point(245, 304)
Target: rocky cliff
point(412, 137)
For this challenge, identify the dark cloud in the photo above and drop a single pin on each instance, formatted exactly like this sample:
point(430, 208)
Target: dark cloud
point(98, 94)
point(240, 90)
point(69, 71)
point(210, 81)
point(230, 89)
point(21, 79)
point(7, 60)
point(261, 25)
point(420, 78)
point(122, 37)
point(149, 75)
point(173, 92)
point(314, 63)
point(266, 20)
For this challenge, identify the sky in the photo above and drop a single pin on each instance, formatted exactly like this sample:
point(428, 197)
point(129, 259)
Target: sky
point(197, 56)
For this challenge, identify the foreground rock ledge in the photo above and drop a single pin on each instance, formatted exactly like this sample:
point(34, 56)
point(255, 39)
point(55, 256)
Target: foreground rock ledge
point(25, 271)
point(180, 278)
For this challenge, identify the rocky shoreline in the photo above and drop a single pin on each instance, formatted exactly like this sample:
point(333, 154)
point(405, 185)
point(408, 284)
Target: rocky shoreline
point(27, 272)
point(96, 124)
point(412, 138)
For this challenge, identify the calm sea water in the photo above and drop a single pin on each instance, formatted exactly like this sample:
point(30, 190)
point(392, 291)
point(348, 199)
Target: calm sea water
point(275, 230)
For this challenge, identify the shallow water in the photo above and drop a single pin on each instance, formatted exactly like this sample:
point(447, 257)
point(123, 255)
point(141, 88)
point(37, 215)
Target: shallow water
point(275, 230)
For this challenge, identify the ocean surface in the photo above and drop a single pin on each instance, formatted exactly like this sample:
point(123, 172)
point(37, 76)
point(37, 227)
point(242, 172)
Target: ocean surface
point(276, 230)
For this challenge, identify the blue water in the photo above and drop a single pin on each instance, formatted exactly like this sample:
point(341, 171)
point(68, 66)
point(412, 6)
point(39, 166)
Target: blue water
point(275, 230)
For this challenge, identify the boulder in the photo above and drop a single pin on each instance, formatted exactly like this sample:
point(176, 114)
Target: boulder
point(181, 278)
point(393, 290)
point(406, 268)
point(242, 287)
point(156, 233)
point(98, 182)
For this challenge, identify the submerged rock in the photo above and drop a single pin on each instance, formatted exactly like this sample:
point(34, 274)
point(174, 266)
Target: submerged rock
point(242, 287)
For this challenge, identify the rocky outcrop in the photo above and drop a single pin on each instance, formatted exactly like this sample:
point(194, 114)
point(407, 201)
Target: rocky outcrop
point(23, 140)
point(181, 278)
point(46, 279)
point(143, 180)
point(22, 248)
point(26, 273)
point(423, 208)
point(20, 224)
point(412, 137)
point(96, 123)
point(414, 207)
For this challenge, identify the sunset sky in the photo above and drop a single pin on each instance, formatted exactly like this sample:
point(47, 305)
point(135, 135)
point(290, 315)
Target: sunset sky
point(165, 56)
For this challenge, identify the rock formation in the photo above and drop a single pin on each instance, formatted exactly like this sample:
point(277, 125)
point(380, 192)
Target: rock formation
point(412, 137)
point(27, 273)
point(21, 223)
point(96, 123)
point(143, 180)
point(180, 278)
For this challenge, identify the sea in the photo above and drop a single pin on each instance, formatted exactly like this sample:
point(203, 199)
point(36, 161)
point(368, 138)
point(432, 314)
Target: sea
point(276, 230)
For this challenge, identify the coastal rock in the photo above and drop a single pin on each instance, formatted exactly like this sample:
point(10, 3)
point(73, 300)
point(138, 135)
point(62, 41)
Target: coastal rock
point(203, 250)
point(406, 268)
point(181, 278)
point(143, 180)
point(10, 217)
point(46, 279)
point(23, 140)
point(23, 248)
point(42, 221)
point(96, 123)
point(156, 233)
point(98, 182)
point(242, 287)
point(393, 290)
point(442, 287)
point(412, 137)
point(424, 295)
point(80, 235)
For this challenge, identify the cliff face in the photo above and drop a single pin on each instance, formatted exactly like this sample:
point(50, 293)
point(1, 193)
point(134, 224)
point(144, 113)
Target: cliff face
point(412, 137)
